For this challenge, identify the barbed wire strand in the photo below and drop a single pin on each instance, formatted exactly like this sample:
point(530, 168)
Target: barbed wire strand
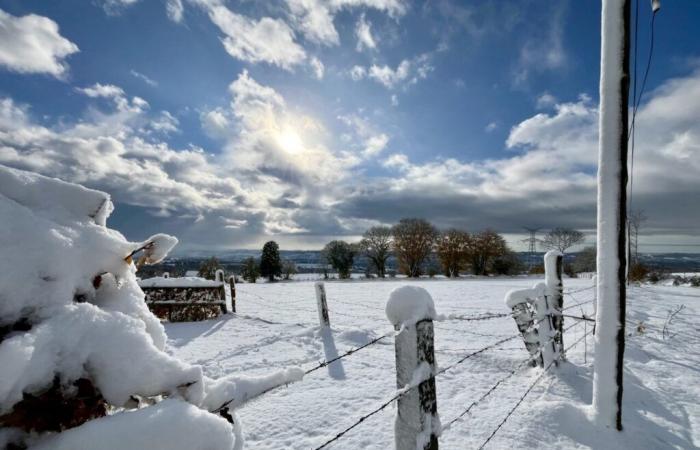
point(525, 394)
point(499, 382)
point(349, 352)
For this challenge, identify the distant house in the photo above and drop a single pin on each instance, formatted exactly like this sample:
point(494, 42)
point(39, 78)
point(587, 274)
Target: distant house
point(192, 273)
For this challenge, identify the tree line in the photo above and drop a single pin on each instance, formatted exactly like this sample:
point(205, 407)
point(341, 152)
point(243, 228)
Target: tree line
point(417, 245)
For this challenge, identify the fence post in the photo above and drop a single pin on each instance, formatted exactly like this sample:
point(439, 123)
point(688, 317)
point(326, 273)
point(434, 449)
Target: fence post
point(322, 305)
point(417, 425)
point(553, 260)
point(522, 302)
point(232, 285)
point(219, 275)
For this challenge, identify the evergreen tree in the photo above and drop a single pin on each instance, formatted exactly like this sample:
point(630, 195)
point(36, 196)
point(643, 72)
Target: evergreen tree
point(251, 270)
point(270, 262)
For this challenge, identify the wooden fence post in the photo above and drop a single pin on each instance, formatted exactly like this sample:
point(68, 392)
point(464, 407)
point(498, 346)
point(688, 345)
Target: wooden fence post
point(322, 305)
point(417, 425)
point(522, 302)
point(219, 275)
point(232, 285)
point(553, 261)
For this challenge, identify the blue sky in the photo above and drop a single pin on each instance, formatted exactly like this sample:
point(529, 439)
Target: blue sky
point(228, 122)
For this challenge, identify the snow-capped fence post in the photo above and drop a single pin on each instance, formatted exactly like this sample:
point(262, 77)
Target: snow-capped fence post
point(232, 286)
point(553, 261)
point(219, 275)
point(521, 302)
point(417, 423)
point(322, 304)
point(612, 205)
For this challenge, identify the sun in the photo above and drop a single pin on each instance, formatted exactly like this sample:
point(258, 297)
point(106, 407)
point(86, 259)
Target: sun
point(290, 141)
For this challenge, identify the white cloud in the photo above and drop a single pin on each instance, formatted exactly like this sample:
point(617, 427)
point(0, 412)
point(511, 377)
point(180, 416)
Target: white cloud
point(397, 161)
point(546, 52)
point(165, 123)
point(545, 100)
point(314, 18)
point(175, 10)
point(33, 44)
point(365, 136)
point(266, 40)
point(115, 7)
point(134, 106)
point(149, 81)
point(317, 67)
point(363, 32)
point(358, 72)
point(406, 73)
point(491, 127)
point(394, 100)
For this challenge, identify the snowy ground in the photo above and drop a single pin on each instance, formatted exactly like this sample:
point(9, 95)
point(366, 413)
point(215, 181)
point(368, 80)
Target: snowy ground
point(276, 326)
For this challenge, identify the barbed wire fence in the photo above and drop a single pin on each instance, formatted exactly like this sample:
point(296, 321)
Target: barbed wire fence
point(457, 318)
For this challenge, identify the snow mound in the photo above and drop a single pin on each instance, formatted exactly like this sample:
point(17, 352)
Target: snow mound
point(408, 305)
point(71, 309)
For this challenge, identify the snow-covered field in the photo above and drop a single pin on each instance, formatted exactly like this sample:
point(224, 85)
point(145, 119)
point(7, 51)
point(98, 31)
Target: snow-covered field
point(277, 326)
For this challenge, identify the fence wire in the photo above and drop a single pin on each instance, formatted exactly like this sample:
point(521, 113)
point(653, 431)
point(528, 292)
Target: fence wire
point(525, 394)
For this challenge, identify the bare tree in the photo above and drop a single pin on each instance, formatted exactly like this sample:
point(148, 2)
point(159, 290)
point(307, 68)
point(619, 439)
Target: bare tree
point(452, 248)
point(634, 223)
point(376, 246)
point(562, 238)
point(484, 247)
point(413, 242)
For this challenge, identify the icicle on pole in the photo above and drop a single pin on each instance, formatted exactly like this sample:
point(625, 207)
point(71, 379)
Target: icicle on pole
point(612, 186)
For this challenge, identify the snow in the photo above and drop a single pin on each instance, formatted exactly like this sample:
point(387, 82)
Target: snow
point(408, 305)
point(157, 247)
point(277, 327)
point(517, 296)
point(612, 131)
point(66, 280)
point(183, 282)
point(165, 426)
point(550, 270)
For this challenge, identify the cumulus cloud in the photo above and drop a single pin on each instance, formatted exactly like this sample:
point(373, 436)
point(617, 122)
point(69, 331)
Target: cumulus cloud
point(33, 44)
point(408, 72)
point(266, 40)
point(550, 179)
point(365, 136)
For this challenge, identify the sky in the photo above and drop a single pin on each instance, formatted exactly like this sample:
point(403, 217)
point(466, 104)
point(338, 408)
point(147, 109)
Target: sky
point(229, 123)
